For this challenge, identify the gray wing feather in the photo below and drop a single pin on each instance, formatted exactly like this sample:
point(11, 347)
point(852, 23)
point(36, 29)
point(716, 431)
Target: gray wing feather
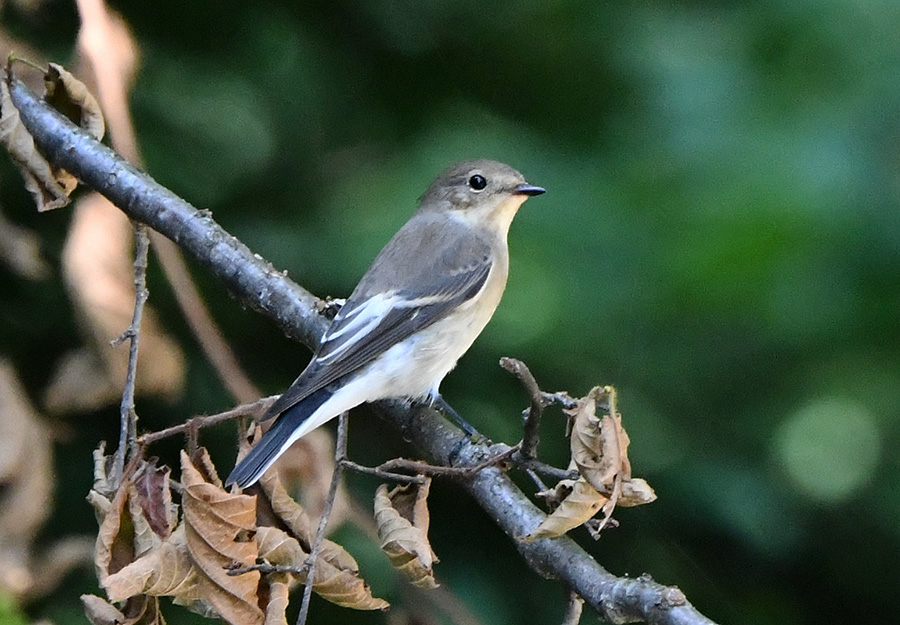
point(444, 263)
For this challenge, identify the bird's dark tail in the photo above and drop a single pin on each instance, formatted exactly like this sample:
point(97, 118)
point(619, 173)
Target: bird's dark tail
point(276, 441)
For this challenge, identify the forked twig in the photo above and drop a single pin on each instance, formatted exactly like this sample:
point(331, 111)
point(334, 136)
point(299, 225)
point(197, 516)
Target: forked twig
point(127, 413)
point(198, 423)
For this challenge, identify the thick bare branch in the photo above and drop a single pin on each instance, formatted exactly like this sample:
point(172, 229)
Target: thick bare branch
point(258, 285)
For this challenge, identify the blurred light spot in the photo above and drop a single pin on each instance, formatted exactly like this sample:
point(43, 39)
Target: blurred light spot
point(829, 448)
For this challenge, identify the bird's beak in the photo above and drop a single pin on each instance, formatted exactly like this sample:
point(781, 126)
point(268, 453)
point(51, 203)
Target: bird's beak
point(528, 189)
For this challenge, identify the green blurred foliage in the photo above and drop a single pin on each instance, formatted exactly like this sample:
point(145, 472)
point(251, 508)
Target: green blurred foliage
point(720, 239)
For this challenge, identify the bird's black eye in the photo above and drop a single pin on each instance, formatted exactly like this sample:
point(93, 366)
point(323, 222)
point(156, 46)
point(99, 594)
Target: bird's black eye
point(477, 182)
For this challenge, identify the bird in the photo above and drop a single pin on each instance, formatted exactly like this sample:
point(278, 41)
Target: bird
point(425, 299)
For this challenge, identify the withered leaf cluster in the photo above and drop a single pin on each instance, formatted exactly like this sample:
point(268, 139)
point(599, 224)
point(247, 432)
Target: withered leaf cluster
point(599, 447)
point(206, 559)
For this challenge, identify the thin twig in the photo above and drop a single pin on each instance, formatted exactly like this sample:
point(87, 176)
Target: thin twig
point(573, 609)
point(340, 453)
point(533, 464)
point(385, 475)
point(560, 397)
point(127, 413)
point(264, 568)
point(538, 482)
point(530, 438)
point(423, 468)
point(207, 420)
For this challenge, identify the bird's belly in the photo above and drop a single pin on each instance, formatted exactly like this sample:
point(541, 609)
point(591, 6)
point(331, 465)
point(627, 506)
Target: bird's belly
point(415, 367)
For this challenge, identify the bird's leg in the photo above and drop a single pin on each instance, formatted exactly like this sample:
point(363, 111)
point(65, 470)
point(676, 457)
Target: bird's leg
point(438, 402)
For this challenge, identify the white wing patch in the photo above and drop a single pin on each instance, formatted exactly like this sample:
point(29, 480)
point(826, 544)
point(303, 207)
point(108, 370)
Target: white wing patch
point(365, 318)
point(357, 323)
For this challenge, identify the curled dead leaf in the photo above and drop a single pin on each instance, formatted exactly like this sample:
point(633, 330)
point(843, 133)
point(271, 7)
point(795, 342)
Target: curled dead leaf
point(100, 612)
point(71, 97)
point(580, 504)
point(300, 526)
point(339, 586)
point(141, 610)
point(402, 520)
point(279, 590)
point(598, 445)
point(104, 487)
point(139, 516)
point(50, 188)
point(115, 540)
point(145, 539)
point(636, 492)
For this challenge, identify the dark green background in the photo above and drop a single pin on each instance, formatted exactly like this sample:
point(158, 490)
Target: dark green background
point(720, 239)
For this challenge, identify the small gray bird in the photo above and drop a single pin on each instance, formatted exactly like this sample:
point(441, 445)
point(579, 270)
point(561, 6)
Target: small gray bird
point(418, 308)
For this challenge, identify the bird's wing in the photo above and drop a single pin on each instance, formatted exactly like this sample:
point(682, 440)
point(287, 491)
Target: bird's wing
point(381, 313)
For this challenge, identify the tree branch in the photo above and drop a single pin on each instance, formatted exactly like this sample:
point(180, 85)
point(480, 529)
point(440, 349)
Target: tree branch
point(260, 286)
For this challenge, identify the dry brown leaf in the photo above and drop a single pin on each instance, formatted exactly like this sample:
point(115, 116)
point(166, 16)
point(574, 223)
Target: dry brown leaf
point(154, 495)
point(300, 526)
point(49, 188)
point(580, 504)
point(341, 587)
point(141, 610)
point(220, 529)
point(279, 589)
point(145, 539)
point(203, 464)
point(133, 560)
point(600, 452)
point(26, 473)
point(104, 488)
point(100, 612)
point(595, 444)
point(636, 492)
point(97, 268)
point(127, 522)
point(402, 519)
point(166, 571)
point(71, 97)
point(115, 539)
